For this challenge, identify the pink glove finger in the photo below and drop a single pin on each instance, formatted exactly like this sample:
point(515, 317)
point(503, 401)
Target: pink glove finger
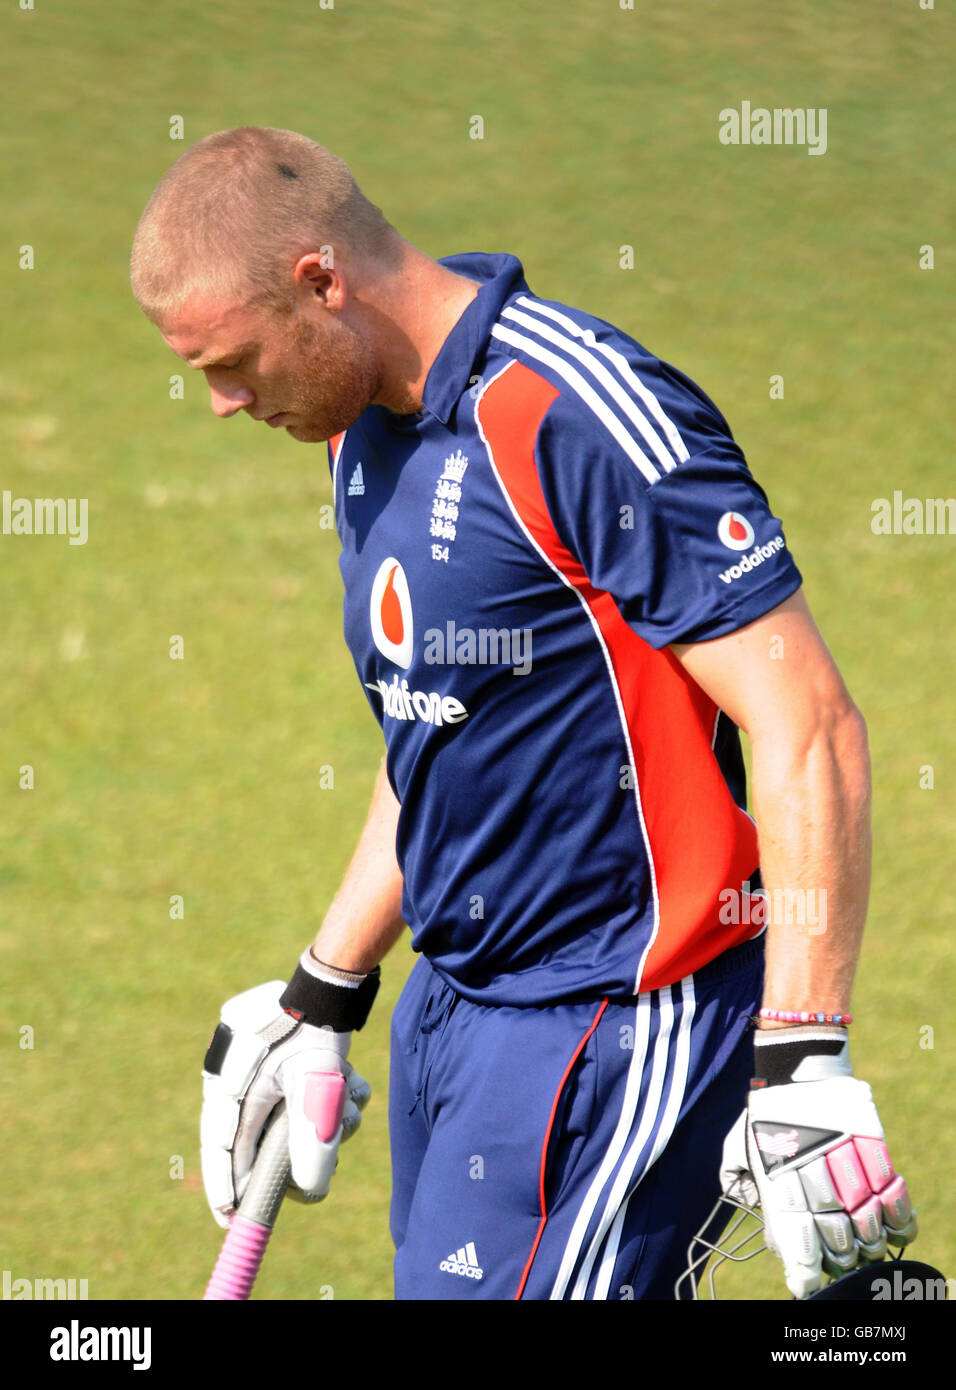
point(848, 1176)
point(867, 1221)
point(324, 1101)
point(875, 1159)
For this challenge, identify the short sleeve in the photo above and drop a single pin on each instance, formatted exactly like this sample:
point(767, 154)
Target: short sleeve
point(685, 542)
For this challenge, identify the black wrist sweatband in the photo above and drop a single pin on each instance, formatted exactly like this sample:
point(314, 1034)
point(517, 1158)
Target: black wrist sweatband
point(342, 1008)
point(777, 1057)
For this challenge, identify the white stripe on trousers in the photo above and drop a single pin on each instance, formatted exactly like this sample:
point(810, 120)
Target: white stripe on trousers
point(674, 1102)
point(658, 1092)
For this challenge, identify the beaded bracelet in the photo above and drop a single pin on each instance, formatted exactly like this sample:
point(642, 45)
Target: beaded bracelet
point(789, 1016)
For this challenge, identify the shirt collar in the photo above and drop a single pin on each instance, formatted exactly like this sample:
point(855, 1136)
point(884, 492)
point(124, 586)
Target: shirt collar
point(501, 276)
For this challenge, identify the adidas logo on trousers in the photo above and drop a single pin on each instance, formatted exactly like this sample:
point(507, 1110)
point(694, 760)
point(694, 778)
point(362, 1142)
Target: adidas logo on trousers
point(463, 1262)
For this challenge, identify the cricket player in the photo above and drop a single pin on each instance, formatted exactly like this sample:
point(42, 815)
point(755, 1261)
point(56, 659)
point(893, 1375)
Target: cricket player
point(564, 595)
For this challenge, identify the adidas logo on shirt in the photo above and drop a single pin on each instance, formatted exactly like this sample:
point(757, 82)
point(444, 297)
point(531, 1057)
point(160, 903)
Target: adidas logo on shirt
point(357, 483)
point(463, 1262)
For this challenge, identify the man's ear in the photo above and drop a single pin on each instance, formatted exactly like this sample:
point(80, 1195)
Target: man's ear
point(316, 278)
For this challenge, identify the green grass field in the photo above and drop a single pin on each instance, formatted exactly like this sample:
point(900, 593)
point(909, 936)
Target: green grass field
point(201, 777)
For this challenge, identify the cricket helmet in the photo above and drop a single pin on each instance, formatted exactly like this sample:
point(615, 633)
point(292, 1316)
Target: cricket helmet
point(735, 1231)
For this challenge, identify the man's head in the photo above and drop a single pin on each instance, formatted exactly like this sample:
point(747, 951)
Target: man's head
point(250, 258)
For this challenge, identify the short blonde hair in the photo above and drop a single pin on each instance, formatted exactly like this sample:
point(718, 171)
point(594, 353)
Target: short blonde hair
point(236, 211)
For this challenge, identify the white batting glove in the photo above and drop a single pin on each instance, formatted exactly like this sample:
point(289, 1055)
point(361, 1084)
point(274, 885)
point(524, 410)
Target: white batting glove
point(264, 1050)
point(809, 1149)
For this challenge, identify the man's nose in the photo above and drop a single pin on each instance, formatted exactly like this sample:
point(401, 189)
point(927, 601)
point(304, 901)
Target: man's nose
point(227, 402)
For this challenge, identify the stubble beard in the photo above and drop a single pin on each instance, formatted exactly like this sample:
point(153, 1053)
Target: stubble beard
point(336, 378)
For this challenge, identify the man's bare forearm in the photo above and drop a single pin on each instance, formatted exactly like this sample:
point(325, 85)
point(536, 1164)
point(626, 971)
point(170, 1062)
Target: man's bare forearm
point(365, 918)
point(812, 804)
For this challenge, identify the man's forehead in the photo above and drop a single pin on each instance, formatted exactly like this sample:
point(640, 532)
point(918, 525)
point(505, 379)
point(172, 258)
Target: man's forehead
point(205, 326)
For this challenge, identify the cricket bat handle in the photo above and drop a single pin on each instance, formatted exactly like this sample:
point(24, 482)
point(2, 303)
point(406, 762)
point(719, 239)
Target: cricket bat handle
point(247, 1237)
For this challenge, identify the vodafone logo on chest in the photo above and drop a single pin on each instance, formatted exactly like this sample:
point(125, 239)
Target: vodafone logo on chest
point(390, 610)
point(393, 632)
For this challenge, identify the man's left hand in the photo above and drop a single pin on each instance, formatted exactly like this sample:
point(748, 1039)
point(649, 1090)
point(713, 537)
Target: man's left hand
point(809, 1148)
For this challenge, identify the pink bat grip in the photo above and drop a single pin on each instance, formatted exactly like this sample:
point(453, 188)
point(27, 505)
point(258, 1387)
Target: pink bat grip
point(247, 1237)
point(239, 1261)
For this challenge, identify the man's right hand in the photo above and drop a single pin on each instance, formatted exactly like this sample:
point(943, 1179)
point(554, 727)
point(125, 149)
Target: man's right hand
point(259, 1054)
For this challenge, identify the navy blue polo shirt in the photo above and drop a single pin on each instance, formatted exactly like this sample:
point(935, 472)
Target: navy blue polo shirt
point(517, 558)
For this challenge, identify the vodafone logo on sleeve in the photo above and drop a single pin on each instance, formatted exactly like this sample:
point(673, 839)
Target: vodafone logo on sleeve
point(390, 611)
point(735, 531)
